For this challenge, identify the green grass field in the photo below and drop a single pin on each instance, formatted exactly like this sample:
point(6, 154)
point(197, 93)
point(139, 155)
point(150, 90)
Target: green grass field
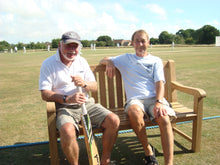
point(23, 113)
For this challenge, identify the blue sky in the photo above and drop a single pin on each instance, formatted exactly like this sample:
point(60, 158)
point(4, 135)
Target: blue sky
point(43, 20)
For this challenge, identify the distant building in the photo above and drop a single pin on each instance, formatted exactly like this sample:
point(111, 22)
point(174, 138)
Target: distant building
point(122, 42)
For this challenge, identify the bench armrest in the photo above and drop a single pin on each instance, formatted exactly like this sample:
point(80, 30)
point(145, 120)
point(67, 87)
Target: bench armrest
point(51, 107)
point(200, 93)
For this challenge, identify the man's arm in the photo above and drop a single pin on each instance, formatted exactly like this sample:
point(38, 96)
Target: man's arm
point(158, 108)
point(110, 68)
point(48, 95)
point(159, 90)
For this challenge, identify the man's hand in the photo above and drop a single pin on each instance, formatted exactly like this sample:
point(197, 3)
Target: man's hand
point(78, 98)
point(110, 69)
point(78, 81)
point(159, 110)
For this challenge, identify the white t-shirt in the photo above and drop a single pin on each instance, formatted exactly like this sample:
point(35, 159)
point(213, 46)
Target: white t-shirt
point(55, 76)
point(139, 74)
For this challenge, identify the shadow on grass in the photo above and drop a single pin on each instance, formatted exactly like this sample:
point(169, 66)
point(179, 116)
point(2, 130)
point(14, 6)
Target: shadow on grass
point(127, 150)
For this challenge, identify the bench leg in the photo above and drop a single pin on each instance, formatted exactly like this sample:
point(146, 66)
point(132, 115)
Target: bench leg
point(53, 139)
point(196, 135)
point(54, 157)
point(197, 126)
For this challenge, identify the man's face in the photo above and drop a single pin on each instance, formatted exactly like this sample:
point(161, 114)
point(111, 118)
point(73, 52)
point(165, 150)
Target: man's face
point(69, 51)
point(140, 44)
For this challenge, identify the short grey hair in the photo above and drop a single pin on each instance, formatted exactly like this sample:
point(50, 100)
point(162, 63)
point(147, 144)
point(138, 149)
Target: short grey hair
point(140, 31)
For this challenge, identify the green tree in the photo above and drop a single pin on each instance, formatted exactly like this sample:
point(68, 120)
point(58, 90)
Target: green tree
point(55, 43)
point(188, 34)
point(178, 39)
point(185, 33)
point(108, 40)
point(154, 41)
point(4, 45)
point(40, 45)
point(207, 34)
point(165, 38)
point(189, 40)
point(31, 45)
point(86, 43)
point(20, 46)
point(100, 43)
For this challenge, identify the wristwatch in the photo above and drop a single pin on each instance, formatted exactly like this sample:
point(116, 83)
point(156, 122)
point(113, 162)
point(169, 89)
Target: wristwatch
point(159, 101)
point(64, 98)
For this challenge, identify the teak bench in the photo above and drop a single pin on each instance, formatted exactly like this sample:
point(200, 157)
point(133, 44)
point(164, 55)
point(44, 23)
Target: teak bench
point(111, 95)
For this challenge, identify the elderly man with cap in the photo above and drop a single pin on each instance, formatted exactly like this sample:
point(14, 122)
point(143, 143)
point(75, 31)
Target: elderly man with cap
point(60, 75)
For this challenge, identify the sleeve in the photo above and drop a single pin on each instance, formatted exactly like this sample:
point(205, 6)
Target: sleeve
point(117, 60)
point(45, 80)
point(158, 71)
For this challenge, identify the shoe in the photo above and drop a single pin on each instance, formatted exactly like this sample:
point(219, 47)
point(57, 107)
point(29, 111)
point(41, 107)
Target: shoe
point(151, 159)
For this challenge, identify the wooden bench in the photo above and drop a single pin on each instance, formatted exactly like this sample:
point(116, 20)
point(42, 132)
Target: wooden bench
point(111, 95)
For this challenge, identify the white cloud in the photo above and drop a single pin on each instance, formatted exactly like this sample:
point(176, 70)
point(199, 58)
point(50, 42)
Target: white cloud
point(43, 20)
point(23, 8)
point(105, 25)
point(123, 15)
point(78, 9)
point(156, 9)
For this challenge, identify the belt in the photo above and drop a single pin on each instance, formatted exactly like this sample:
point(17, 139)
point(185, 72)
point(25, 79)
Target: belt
point(75, 106)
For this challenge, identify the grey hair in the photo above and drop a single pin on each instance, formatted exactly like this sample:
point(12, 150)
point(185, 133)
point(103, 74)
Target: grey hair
point(140, 31)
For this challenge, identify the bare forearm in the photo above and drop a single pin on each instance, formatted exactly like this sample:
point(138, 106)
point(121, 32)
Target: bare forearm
point(110, 68)
point(159, 109)
point(51, 96)
point(91, 86)
point(78, 97)
point(159, 90)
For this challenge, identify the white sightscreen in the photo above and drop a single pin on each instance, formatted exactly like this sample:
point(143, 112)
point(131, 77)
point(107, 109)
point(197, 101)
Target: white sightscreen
point(217, 41)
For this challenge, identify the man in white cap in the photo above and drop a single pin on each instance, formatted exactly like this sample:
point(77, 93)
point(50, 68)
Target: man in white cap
point(60, 75)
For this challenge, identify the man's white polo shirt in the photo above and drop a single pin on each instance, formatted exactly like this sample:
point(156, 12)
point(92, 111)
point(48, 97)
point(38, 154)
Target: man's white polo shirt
point(55, 76)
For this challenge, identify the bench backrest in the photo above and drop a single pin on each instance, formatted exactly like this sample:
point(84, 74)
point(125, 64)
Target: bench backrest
point(111, 92)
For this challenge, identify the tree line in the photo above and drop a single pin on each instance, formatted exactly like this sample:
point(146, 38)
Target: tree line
point(204, 35)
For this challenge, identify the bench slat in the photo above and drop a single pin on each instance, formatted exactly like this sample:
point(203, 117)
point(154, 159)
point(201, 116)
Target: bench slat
point(102, 88)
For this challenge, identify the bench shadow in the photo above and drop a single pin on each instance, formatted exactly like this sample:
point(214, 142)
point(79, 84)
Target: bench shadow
point(127, 150)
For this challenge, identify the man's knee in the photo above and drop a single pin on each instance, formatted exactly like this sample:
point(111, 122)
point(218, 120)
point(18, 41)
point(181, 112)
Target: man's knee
point(111, 121)
point(163, 121)
point(135, 111)
point(68, 130)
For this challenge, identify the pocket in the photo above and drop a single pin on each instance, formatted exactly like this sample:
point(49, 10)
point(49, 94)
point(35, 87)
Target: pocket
point(80, 73)
point(145, 69)
point(149, 68)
